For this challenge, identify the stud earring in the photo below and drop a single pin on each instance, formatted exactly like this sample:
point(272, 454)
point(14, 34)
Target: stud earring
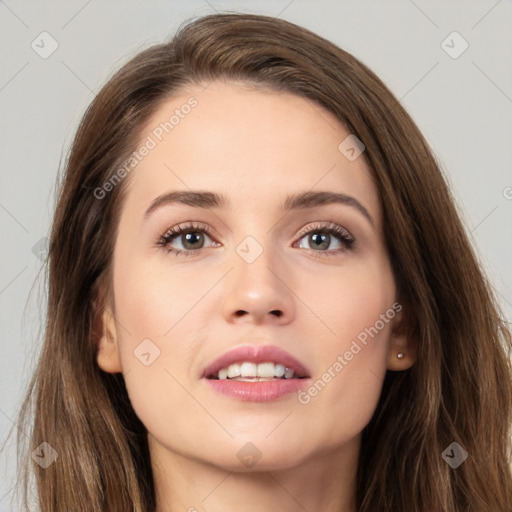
point(400, 355)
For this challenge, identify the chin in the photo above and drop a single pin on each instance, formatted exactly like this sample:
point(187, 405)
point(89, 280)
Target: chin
point(260, 455)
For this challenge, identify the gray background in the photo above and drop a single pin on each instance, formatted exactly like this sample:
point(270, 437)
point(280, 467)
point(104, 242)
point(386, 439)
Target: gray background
point(462, 105)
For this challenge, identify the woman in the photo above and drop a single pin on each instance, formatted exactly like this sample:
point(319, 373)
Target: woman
point(261, 296)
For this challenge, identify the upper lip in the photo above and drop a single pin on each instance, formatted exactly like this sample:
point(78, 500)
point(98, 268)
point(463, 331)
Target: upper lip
point(256, 354)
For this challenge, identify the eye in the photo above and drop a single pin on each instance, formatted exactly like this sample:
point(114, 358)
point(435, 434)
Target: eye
point(191, 237)
point(321, 236)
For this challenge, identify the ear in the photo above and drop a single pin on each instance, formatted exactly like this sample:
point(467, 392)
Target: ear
point(107, 356)
point(400, 343)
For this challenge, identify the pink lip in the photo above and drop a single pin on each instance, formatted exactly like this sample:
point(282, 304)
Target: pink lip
point(256, 354)
point(262, 391)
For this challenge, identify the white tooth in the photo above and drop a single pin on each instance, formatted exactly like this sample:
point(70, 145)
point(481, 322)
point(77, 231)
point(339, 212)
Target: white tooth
point(288, 374)
point(233, 370)
point(279, 370)
point(248, 369)
point(266, 370)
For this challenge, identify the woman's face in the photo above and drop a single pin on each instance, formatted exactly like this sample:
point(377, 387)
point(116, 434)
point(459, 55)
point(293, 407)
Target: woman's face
point(259, 269)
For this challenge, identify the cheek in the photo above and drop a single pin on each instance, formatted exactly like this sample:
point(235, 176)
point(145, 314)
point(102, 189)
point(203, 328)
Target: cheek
point(157, 337)
point(357, 312)
point(148, 302)
point(152, 311)
point(347, 302)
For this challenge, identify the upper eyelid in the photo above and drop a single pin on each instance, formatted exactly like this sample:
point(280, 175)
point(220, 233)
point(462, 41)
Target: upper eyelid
point(326, 225)
point(209, 231)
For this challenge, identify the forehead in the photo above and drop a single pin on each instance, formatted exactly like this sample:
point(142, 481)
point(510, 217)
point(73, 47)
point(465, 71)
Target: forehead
point(254, 146)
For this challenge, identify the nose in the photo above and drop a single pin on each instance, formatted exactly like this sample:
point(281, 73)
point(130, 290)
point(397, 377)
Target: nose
point(258, 292)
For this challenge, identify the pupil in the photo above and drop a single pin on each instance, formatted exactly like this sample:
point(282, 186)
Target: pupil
point(191, 237)
point(323, 239)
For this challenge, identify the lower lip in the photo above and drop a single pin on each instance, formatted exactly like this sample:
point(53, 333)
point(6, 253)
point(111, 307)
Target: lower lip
point(264, 391)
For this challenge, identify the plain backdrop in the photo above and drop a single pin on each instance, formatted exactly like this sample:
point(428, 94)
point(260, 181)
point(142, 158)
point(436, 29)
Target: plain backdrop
point(461, 99)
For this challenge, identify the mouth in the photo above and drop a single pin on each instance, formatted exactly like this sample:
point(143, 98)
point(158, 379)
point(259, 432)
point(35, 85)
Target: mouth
point(255, 364)
point(256, 374)
point(251, 372)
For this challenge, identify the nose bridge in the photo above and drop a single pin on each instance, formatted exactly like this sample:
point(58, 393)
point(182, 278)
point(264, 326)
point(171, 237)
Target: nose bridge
point(252, 239)
point(256, 284)
point(253, 259)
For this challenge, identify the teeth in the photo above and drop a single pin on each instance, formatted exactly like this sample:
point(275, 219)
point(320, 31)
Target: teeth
point(279, 370)
point(265, 370)
point(288, 374)
point(249, 370)
point(234, 370)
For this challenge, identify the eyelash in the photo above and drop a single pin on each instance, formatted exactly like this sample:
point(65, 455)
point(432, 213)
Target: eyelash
point(330, 228)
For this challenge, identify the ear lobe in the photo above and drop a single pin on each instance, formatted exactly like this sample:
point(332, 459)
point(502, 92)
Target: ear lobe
point(400, 343)
point(107, 356)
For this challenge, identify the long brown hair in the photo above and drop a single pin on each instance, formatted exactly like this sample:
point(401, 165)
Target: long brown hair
point(460, 388)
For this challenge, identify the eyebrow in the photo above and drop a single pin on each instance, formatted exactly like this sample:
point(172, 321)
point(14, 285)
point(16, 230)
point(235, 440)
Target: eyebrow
point(301, 201)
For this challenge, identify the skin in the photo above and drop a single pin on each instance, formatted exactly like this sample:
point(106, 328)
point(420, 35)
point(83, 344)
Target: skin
point(255, 147)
